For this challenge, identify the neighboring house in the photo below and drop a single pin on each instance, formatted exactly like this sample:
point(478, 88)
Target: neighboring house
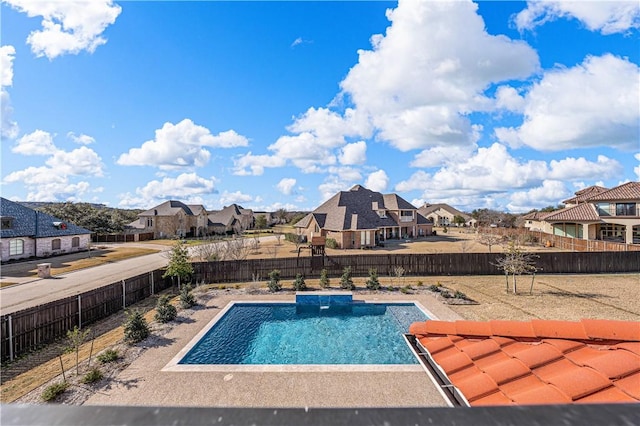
point(26, 232)
point(233, 218)
point(444, 214)
point(476, 363)
point(173, 219)
point(363, 218)
point(595, 213)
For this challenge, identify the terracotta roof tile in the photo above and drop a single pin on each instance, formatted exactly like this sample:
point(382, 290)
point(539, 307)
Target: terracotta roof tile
point(539, 395)
point(477, 385)
point(512, 328)
point(473, 328)
point(630, 385)
point(584, 212)
point(626, 191)
point(496, 398)
point(608, 395)
point(578, 382)
point(481, 348)
point(507, 370)
point(615, 364)
point(559, 329)
point(537, 362)
point(612, 330)
point(536, 355)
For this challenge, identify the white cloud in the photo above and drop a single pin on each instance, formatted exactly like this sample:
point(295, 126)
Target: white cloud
point(345, 174)
point(548, 194)
point(429, 70)
point(45, 185)
point(250, 164)
point(67, 26)
point(180, 145)
point(82, 161)
point(596, 103)
point(608, 17)
point(8, 128)
point(81, 138)
point(439, 155)
point(353, 153)
point(38, 142)
point(377, 181)
point(186, 187)
point(7, 54)
point(331, 186)
point(304, 150)
point(286, 186)
point(581, 168)
point(508, 98)
point(237, 197)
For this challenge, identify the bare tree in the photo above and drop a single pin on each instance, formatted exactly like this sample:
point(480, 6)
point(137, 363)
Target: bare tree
point(489, 239)
point(465, 246)
point(237, 249)
point(278, 236)
point(517, 262)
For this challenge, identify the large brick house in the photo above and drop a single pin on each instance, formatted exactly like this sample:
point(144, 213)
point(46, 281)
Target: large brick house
point(29, 233)
point(594, 213)
point(173, 219)
point(363, 218)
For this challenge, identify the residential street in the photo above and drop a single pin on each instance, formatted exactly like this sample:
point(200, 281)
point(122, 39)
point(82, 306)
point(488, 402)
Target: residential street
point(37, 291)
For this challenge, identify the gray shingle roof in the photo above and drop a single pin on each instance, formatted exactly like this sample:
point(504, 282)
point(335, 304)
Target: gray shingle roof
point(355, 210)
point(168, 208)
point(24, 223)
point(430, 208)
point(226, 216)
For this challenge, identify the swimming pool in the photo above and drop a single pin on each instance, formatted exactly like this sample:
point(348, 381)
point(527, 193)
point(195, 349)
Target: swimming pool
point(292, 334)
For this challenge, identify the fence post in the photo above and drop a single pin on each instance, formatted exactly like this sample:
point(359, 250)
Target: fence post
point(152, 287)
point(79, 311)
point(10, 338)
point(124, 296)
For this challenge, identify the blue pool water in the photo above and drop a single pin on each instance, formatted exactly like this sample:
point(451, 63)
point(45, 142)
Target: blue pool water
point(286, 333)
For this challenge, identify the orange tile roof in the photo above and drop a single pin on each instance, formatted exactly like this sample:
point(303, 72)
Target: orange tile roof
point(627, 191)
point(584, 194)
point(538, 361)
point(584, 212)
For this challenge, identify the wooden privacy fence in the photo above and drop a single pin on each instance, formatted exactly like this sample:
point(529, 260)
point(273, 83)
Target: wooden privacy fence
point(414, 265)
point(121, 238)
point(23, 331)
point(564, 243)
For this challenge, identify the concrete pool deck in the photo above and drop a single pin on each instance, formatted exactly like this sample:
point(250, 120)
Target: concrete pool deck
point(145, 383)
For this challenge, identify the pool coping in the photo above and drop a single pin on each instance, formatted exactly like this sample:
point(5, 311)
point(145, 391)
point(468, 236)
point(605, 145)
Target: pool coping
point(174, 366)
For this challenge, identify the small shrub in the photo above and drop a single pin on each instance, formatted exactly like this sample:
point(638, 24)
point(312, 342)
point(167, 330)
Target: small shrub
point(331, 243)
point(445, 230)
point(405, 290)
point(222, 287)
point(92, 376)
point(435, 288)
point(460, 295)
point(346, 281)
point(237, 286)
point(372, 282)
point(299, 284)
point(419, 284)
point(187, 299)
point(445, 294)
point(51, 392)
point(274, 281)
point(165, 311)
point(109, 355)
point(324, 279)
point(136, 328)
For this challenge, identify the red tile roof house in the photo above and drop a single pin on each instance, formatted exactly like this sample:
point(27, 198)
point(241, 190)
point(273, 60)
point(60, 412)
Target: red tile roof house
point(361, 218)
point(27, 232)
point(595, 213)
point(531, 363)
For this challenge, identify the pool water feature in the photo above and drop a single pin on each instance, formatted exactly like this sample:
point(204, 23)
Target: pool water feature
point(308, 333)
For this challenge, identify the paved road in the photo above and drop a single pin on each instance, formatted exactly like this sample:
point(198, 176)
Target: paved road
point(43, 290)
point(37, 291)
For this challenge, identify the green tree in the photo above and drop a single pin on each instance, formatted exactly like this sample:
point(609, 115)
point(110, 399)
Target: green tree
point(459, 220)
point(179, 265)
point(346, 281)
point(282, 215)
point(372, 282)
point(299, 284)
point(165, 311)
point(324, 279)
point(187, 299)
point(274, 281)
point(261, 221)
point(136, 328)
point(76, 339)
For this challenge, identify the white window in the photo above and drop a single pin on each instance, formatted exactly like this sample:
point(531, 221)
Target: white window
point(16, 247)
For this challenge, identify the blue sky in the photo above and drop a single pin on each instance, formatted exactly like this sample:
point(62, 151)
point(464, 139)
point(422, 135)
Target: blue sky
point(503, 105)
